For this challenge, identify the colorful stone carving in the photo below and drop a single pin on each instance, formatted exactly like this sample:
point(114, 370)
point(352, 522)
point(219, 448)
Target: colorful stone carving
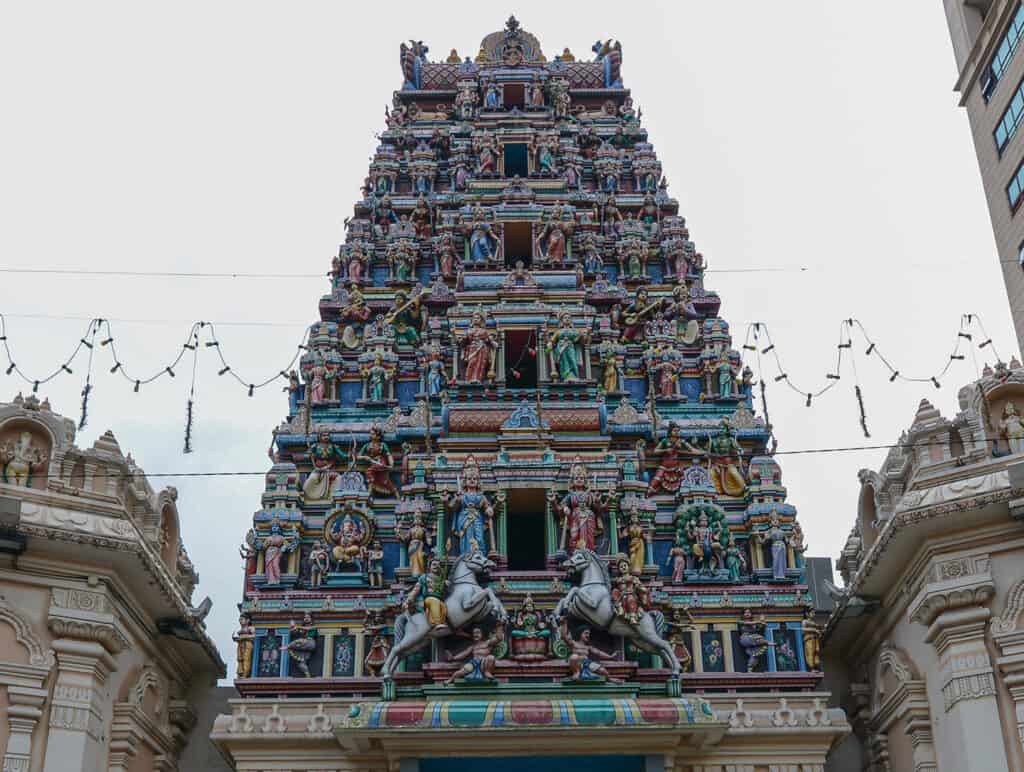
point(302, 644)
point(244, 639)
point(479, 656)
point(581, 511)
point(471, 511)
point(20, 459)
point(530, 634)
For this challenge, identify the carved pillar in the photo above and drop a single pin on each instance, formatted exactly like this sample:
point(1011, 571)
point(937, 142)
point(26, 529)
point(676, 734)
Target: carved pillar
point(87, 635)
point(953, 605)
point(1010, 642)
point(360, 654)
point(328, 639)
point(24, 711)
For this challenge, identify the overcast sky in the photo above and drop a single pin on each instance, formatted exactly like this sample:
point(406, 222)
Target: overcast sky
point(233, 137)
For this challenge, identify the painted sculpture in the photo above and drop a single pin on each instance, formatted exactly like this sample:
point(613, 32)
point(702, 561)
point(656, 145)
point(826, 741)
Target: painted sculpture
point(581, 511)
point(472, 513)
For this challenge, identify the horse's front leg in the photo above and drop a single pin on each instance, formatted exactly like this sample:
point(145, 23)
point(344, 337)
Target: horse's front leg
point(472, 602)
point(496, 605)
point(565, 604)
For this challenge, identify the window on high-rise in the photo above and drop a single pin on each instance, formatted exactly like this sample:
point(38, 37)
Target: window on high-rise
point(1010, 119)
point(1015, 189)
point(1004, 53)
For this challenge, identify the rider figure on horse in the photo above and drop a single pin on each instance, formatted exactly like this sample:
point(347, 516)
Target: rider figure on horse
point(629, 597)
point(431, 588)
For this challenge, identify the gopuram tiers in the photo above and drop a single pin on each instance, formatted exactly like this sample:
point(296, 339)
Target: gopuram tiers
point(521, 455)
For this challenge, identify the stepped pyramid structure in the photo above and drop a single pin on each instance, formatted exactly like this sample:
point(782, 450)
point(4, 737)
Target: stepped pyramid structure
point(522, 505)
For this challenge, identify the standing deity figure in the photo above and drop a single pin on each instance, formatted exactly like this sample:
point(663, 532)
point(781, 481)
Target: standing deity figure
point(375, 564)
point(726, 454)
point(629, 595)
point(735, 563)
point(355, 266)
point(611, 371)
point(293, 388)
point(753, 640)
point(664, 374)
point(421, 218)
point(406, 318)
point(705, 543)
point(671, 451)
point(726, 376)
point(324, 455)
point(466, 100)
point(486, 156)
point(812, 641)
point(776, 537)
point(472, 512)
point(584, 658)
point(680, 632)
point(492, 97)
point(448, 259)
point(554, 241)
point(384, 217)
point(245, 639)
point(380, 463)
point(593, 263)
point(20, 460)
point(635, 535)
point(376, 656)
point(478, 347)
point(677, 559)
point(352, 318)
point(561, 100)
point(402, 256)
point(581, 511)
point(1012, 428)
point(483, 246)
point(377, 377)
point(479, 655)
point(565, 348)
point(318, 382)
point(536, 98)
point(319, 564)
point(545, 154)
point(434, 371)
point(275, 546)
point(417, 544)
point(429, 589)
point(796, 542)
point(649, 214)
point(301, 643)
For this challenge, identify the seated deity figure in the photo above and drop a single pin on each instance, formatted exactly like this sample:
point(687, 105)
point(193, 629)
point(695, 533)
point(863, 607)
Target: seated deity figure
point(530, 633)
point(380, 463)
point(671, 451)
point(325, 457)
point(349, 541)
point(19, 460)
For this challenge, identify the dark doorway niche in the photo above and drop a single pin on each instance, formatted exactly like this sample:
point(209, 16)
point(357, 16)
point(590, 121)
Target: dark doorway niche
point(521, 358)
point(516, 160)
point(527, 547)
point(514, 95)
point(518, 244)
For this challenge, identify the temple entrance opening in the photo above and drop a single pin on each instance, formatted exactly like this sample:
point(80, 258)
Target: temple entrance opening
point(521, 359)
point(516, 160)
point(514, 95)
point(526, 546)
point(518, 244)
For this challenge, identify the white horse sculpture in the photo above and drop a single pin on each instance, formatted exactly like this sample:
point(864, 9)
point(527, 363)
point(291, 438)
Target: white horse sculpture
point(591, 601)
point(467, 603)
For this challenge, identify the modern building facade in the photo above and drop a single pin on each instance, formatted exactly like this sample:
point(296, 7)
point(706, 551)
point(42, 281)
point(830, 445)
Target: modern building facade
point(925, 648)
point(103, 658)
point(986, 37)
point(522, 511)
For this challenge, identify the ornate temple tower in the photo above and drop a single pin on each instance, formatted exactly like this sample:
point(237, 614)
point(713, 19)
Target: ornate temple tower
point(521, 485)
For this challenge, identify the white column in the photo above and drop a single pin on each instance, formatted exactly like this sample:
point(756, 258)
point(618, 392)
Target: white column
point(23, 713)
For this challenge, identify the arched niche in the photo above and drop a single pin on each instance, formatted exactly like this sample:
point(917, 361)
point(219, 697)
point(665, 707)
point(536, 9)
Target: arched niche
point(26, 447)
point(867, 515)
point(169, 536)
point(1006, 418)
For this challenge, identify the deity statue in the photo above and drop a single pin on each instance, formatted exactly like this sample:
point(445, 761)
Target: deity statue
point(726, 376)
point(466, 101)
point(680, 632)
point(785, 657)
point(492, 96)
point(352, 318)
point(632, 257)
point(318, 382)
point(581, 510)
point(629, 595)
point(611, 371)
point(384, 217)
point(355, 265)
point(671, 450)
point(664, 374)
point(376, 656)
point(553, 239)
point(448, 259)
point(677, 559)
point(422, 218)
point(635, 535)
point(377, 377)
point(472, 512)
point(434, 372)
point(588, 142)
point(461, 174)
point(566, 342)
point(440, 143)
point(403, 256)
point(593, 263)
point(1011, 427)
point(349, 539)
point(377, 456)
point(245, 639)
point(294, 388)
point(486, 156)
point(324, 455)
point(375, 564)
point(812, 641)
point(478, 348)
point(649, 214)
point(584, 658)
point(19, 460)
point(776, 537)
point(753, 640)
point(406, 318)
point(545, 154)
point(535, 98)
point(726, 454)
point(530, 633)
point(319, 561)
point(430, 589)
point(302, 643)
point(480, 656)
point(561, 100)
point(795, 540)
point(705, 540)
point(417, 541)
point(634, 316)
point(276, 545)
point(735, 563)
point(483, 246)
